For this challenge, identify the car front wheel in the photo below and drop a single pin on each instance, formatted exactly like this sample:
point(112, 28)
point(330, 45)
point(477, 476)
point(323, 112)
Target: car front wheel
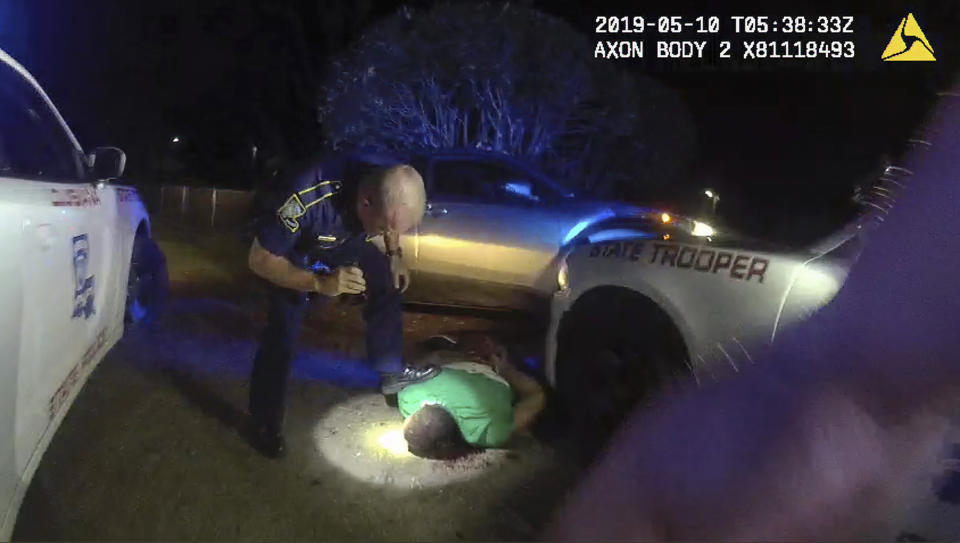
point(147, 284)
point(613, 354)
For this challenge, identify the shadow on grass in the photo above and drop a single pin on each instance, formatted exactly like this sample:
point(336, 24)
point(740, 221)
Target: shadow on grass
point(210, 403)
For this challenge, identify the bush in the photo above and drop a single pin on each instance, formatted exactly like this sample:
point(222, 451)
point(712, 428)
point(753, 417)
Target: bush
point(505, 79)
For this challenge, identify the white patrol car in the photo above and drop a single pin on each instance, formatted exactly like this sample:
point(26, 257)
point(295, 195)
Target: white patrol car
point(641, 301)
point(77, 259)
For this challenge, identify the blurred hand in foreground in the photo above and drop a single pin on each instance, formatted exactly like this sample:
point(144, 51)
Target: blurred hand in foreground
point(823, 436)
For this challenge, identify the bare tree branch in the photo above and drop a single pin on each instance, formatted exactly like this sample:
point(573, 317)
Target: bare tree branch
point(508, 79)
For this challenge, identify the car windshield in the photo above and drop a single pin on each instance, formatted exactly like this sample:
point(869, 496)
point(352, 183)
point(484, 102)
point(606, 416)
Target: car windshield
point(491, 181)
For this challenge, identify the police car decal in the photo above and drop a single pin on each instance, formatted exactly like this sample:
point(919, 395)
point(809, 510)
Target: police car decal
point(85, 197)
point(83, 292)
point(56, 402)
point(743, 266)
point(59, 398)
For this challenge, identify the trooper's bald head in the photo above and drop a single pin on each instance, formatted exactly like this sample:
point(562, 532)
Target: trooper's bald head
point(391, 198)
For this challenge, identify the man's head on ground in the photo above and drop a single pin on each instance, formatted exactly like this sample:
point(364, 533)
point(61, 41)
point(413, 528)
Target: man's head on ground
point(432, 432)
point(391, 199)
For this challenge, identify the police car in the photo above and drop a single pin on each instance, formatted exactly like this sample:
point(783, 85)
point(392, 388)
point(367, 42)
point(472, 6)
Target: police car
point(639, 302)
point(78, 263)
point(492, 231)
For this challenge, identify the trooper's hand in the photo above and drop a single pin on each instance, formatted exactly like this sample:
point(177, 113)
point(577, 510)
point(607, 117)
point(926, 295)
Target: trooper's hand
point(343, 280)
point(400, 273)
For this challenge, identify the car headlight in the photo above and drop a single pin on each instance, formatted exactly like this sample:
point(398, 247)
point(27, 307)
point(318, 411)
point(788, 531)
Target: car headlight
point(563, 279)
point(702, 230)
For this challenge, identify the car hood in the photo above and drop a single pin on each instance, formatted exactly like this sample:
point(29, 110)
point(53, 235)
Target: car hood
point(620, 216)
point(572, 218)
point(593, 207)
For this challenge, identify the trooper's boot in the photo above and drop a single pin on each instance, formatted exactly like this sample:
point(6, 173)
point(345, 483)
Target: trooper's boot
point(268, 440)
point(392, 383)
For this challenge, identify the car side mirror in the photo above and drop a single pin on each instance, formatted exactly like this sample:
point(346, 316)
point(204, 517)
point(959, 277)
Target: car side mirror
point(107, 163)
point(519, 189)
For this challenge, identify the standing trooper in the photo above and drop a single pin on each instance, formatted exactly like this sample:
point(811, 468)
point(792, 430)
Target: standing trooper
point(329, 220)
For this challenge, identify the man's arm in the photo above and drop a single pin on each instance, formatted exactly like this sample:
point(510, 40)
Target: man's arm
point(530, 397)
point(281, 272)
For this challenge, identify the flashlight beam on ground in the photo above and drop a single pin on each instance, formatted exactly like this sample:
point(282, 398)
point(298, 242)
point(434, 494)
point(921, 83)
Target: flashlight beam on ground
point(392, 441)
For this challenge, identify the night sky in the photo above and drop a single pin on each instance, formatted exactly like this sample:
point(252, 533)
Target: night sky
point(223, 73)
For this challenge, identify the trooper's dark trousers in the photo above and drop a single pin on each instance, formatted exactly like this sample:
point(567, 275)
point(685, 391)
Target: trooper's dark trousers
point(382, 314)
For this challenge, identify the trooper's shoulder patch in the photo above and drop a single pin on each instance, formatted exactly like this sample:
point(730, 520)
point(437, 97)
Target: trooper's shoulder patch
point(300, 202)
point(291, 211)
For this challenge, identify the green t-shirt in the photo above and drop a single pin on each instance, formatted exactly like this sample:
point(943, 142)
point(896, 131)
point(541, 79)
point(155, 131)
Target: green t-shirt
point(480, 401)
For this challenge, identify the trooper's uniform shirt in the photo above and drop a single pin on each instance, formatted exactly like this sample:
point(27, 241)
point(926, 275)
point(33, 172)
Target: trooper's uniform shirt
point(314, 216)
point(313, 224)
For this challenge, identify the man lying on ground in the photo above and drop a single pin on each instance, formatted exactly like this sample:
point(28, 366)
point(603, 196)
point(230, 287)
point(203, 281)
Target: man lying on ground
point(478, 399)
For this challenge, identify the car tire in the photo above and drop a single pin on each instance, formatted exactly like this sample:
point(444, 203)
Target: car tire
point(612, 356)
point(147, 284)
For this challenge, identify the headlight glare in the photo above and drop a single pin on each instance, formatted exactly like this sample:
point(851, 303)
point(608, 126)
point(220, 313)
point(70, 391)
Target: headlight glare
point(702, 230)
point(563, 279)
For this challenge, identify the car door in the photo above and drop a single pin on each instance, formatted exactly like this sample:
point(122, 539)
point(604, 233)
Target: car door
point(11, 300)
point(61, 256)
point(481, 241)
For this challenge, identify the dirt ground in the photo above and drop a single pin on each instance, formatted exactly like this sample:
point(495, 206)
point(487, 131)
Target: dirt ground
point(153, 446)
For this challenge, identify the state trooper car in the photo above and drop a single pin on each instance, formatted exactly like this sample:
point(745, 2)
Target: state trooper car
point(493, 230)
point(641, 301)
point(77, 259)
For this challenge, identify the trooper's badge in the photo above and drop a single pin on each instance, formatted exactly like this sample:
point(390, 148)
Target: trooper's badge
point(291, 211)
